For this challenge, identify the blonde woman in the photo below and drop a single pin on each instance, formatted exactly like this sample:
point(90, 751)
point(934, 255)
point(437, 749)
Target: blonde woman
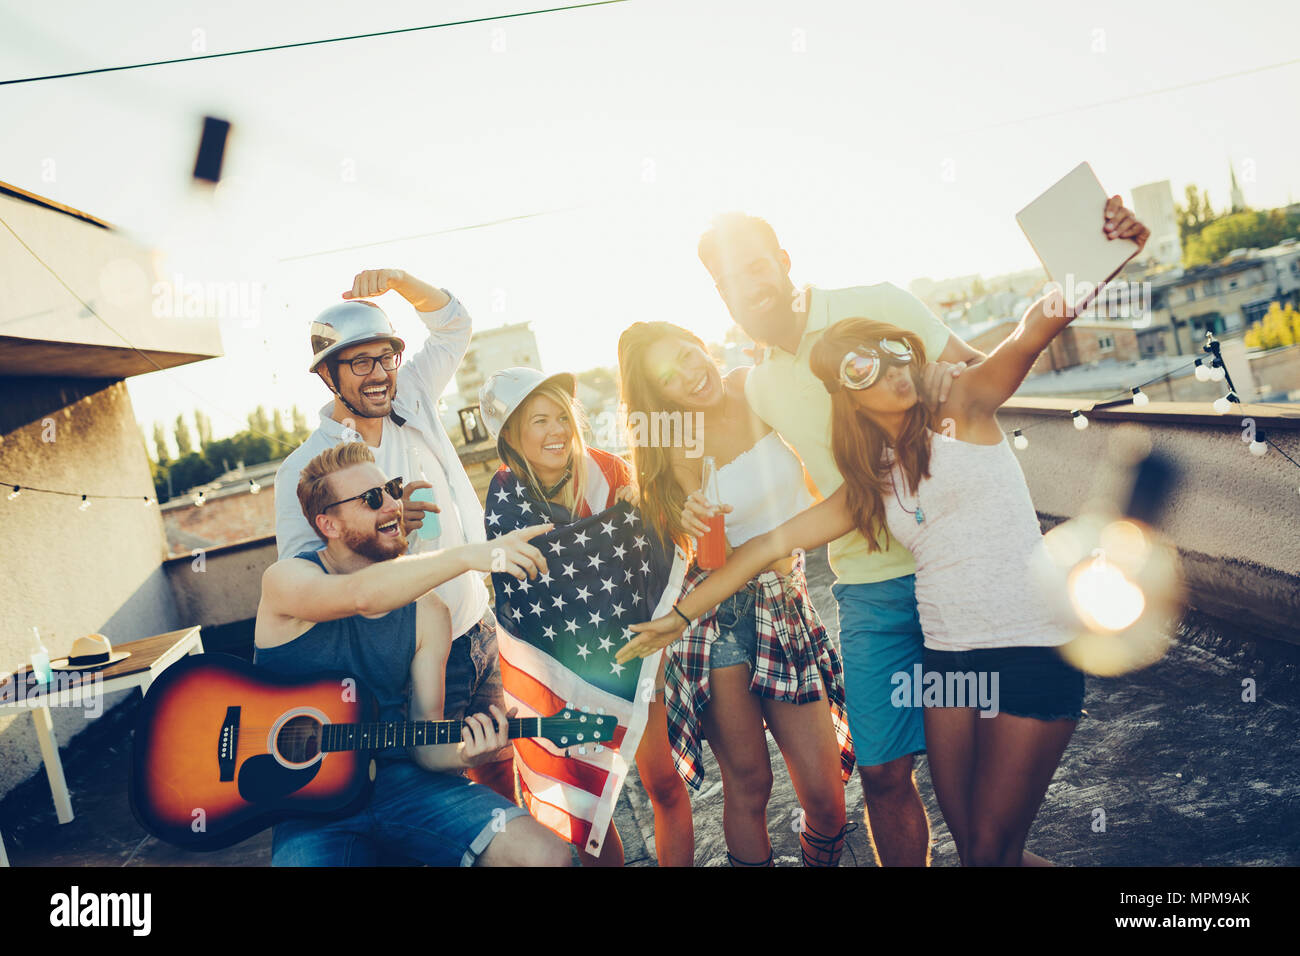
point(539, 423)
point(763, 657)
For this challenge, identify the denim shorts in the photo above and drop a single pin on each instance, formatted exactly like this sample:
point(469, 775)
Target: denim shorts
point(473, 676)
point(737, 641)
point(438, 819)
point(880, 636)
point(1022, 681)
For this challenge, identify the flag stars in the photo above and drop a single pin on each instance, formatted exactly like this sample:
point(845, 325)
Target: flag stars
point(629, 518)
point(584, 593)
point(558, 602)
point(607, 527)
point(536, 609)
point(493, 518)
point(570, 570)
point(619, 551)
point(618, 610)
point(502, 496)
point(596, 618)
point(571, 627)
point(638, 542)
point(556, 547)
point(607, 584)
point(580, 537)
point(516, 613)
point(548, 631)
point(606, 643)
point(616, 668)
point(545, 578)
point(594, 561)
point(524, 586)
point(583, 651)
point(525, 507)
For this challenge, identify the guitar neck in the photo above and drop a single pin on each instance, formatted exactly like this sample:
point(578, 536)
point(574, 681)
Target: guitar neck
point(411, 733)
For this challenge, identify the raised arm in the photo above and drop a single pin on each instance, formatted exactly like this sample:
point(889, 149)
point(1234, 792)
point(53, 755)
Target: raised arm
point(297, 588)
point(809, 529)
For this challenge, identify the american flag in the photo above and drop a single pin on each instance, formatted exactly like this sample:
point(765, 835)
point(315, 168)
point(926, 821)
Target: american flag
point(558, 634)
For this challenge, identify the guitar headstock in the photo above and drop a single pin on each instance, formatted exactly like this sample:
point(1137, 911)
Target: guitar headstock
point(575, 727)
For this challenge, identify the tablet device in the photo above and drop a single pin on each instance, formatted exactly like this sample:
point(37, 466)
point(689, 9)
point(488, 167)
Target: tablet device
point(1064, 225)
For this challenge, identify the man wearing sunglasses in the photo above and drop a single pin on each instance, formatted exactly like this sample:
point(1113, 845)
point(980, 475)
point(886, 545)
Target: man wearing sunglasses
point(390, 401)
point(880, 633)
point(362, 606)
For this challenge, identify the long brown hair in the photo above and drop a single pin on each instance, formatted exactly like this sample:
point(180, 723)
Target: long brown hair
point(575, 488)
point(662, 496)
point(857, 441)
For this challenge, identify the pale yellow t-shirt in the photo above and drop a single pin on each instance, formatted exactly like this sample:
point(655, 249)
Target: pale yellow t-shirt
point(783, 391)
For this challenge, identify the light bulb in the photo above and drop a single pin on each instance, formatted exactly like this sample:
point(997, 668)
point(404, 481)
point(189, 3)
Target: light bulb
point(1140, 398)
point(253, 487)
point(1080, 422)
point(1217, 374)
point(199, 501)
point(85, 503)
point(1202, 373)
point(1258, 448)
point(1020, 441)
point(1103, 596)
point(15, 493)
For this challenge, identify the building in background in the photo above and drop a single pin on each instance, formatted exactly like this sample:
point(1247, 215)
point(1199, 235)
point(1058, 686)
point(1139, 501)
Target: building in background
point(491, 350)
point(1154, 205)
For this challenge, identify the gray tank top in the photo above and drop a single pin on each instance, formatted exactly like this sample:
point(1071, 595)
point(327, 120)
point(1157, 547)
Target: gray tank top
point(378, 651)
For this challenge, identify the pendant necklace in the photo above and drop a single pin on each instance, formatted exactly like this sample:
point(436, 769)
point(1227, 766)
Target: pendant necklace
point(920, 515)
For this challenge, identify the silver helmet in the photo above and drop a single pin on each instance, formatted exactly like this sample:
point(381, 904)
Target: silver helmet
point(354, 322)
point(506, 390)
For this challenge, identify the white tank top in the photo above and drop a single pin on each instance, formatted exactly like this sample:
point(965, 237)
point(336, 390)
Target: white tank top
point(764, 486)
point(972, 550)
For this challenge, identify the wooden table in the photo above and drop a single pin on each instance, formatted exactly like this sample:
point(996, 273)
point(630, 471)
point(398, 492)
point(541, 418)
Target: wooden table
point(149, 658)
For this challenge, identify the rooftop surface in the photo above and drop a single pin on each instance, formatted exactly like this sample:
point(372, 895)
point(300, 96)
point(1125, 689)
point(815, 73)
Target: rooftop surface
point(1179, 767)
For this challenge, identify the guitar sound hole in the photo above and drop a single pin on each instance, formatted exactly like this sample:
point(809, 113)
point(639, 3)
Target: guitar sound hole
point(299, 739)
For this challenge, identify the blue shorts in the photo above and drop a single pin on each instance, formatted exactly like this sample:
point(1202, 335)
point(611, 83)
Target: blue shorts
point(880, 635)
point(1024, 681)
point(438, 819)
point(737, 641)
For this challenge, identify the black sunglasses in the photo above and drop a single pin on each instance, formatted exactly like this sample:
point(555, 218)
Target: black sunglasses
point(374, 497)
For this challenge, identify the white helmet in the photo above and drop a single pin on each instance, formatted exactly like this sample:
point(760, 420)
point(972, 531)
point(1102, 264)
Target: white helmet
point(506, 390)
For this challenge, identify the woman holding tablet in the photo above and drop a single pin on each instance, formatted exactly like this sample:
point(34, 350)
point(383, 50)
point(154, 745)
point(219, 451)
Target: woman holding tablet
point(958, 500)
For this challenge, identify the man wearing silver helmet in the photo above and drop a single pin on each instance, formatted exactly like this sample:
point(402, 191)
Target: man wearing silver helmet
point(391, 403)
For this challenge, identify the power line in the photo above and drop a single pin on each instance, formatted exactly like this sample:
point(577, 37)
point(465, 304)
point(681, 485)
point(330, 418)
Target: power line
point(427, 235)
point(303, 43)
point(1127, 98)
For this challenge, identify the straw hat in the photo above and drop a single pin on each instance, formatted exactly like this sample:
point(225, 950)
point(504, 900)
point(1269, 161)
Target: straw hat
point(89, 653)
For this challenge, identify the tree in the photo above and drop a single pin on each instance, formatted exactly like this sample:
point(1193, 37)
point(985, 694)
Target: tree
point(203, 425)
point(184, 443)
point(1196, 215)
point(300, 429)
point(1257, 229)
point(161, 454)
point(1278, 327)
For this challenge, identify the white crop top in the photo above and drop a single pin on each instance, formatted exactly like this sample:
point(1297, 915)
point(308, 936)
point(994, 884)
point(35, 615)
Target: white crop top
point(764, 486)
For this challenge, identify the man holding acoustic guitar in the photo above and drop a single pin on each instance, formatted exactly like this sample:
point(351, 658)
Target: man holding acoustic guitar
point(362, 606)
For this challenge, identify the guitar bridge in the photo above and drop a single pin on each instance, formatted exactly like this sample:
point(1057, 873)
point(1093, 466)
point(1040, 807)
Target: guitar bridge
point(228, 744)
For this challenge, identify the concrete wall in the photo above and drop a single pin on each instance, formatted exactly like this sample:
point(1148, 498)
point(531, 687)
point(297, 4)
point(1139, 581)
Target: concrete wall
point(1234, 517)
point(70, 572)
point(221, 585)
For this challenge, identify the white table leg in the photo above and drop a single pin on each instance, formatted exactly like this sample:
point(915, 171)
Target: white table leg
point(53, 765)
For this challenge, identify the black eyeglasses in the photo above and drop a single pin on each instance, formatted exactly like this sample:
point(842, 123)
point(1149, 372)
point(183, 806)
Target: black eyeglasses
point(374, 497)
point(365, 364)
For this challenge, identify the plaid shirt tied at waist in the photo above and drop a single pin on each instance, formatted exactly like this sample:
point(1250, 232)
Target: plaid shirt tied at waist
point(795, 659)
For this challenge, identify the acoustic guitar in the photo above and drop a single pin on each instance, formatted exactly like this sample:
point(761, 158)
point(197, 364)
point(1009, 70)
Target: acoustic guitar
point(224, 749)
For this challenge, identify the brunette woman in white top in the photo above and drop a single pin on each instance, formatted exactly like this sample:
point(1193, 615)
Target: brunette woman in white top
point(950, 489)
point(764, 656)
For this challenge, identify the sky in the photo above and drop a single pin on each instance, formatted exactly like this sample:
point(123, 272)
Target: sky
point(884, 142)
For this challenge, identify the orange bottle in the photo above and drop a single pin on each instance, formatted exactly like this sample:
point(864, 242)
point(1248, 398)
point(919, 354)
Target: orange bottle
point(713, 545)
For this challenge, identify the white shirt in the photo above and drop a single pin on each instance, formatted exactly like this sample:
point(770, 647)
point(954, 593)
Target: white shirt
point(420, 380)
